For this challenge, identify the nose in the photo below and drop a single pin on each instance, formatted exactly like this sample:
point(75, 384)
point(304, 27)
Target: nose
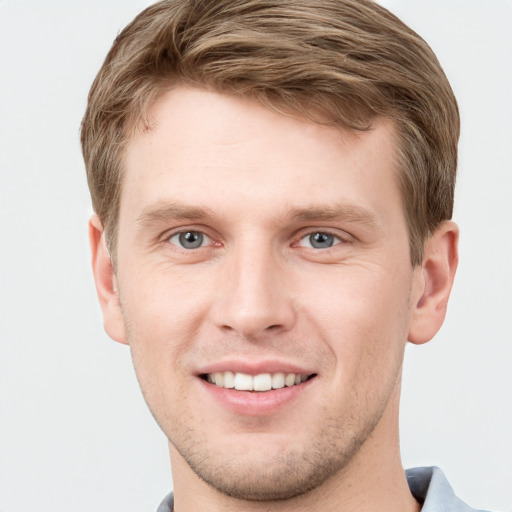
point(255, 297)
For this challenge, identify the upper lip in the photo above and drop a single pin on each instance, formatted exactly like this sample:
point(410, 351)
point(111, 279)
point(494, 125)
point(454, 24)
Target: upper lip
point(254, 368)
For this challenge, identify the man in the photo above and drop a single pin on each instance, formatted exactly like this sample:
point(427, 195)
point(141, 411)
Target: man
point(273, 186)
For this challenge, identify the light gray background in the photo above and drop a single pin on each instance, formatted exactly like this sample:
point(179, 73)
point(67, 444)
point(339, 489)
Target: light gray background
point(74, 431)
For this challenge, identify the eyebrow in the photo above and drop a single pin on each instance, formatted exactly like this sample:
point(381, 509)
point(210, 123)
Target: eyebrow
point(161, 213)
point(164, 212)
point(344, 211)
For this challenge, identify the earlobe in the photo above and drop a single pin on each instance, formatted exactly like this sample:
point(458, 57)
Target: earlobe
point(433, 283)
point(105, 281)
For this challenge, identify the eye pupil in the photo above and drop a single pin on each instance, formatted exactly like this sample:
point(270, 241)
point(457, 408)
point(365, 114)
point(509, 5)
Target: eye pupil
point(191, 239)
point(321, 240)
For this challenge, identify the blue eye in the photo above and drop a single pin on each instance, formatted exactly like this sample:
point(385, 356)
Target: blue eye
point(189, 239)
point(319, 240)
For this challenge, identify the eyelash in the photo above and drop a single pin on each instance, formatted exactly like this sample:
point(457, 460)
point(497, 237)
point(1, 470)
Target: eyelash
point(337, 239)
point(179, 234)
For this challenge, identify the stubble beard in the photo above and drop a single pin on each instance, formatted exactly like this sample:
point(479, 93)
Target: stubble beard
point(288, 474)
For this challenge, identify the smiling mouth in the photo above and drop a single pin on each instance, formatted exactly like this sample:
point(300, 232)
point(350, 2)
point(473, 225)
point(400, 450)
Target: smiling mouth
point(260, 382)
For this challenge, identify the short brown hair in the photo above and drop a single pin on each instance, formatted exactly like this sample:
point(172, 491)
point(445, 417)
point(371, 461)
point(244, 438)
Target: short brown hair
point(343, 62)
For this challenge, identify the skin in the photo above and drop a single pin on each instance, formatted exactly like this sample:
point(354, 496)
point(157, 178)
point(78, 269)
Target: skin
point(257, 294)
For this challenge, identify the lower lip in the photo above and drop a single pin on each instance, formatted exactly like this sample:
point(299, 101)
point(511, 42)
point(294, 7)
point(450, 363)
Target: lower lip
point(256, 403)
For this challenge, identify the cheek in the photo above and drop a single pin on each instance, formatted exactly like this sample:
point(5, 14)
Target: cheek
point(163, 300)
point(363, 317)
point(162, 316)
point(158, 338)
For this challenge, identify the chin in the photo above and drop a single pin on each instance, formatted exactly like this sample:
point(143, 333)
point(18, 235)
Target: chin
point(276, 473)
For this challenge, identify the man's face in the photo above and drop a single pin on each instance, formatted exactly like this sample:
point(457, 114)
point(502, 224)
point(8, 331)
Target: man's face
point(257, 249)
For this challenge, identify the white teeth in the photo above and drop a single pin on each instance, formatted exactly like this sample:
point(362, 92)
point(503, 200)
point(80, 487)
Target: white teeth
point(278, 380)
point(219, 379)
point(229, 380)
point(260, 382)
point(289, 380)
point(243, 382)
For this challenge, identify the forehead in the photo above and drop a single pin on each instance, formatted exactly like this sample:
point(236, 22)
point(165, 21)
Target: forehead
point(213, 150)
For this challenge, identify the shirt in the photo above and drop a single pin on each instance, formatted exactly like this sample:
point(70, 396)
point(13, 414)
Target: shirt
point(430, 488)
point(428, 485)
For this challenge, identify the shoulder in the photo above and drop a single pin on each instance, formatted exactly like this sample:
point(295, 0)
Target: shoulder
point(431, 488)
point(167, 504)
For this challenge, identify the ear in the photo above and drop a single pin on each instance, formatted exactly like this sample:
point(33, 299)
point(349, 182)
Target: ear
point(106, 283)
point(433, 282)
